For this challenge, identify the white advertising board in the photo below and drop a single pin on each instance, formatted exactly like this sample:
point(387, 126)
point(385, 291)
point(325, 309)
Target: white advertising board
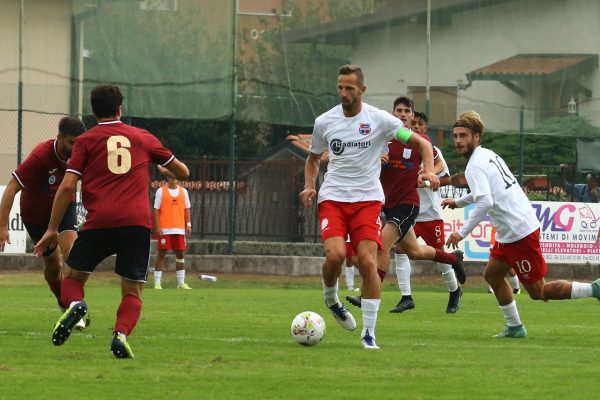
point(16, 229)
point(568, 232)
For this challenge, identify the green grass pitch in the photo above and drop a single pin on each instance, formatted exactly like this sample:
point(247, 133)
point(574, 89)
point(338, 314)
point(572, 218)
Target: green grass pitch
point(231, 340)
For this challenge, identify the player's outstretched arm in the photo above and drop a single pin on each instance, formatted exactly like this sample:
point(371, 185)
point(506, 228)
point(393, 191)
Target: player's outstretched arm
point(178, 169)
point(311, 171)
point(62, 199)
point(8, 198)
point(426, 150)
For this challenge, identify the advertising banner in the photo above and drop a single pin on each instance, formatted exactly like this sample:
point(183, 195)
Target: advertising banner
point(568, 232)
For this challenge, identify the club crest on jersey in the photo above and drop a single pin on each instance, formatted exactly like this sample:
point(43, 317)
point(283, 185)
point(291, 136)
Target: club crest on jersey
point(51, 180)
point(364, 128)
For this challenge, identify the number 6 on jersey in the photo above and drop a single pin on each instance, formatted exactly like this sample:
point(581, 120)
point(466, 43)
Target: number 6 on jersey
point(119, 158)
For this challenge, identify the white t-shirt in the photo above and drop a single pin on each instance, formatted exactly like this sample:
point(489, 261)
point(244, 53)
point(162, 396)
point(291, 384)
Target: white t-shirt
point(355, 145)
point(430, 207)
point(511, 212)
point(173, 193)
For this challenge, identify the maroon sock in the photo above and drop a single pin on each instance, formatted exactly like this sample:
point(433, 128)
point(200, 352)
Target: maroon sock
point(445, 258)
point(381, 274)
point(70, 290)
point(128, 314)
point(55, 288)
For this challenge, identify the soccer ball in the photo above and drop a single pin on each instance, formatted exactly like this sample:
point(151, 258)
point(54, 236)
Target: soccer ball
point(308, 328)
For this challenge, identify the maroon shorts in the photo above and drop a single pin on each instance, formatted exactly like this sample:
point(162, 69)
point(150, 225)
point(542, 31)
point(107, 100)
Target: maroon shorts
point(525, 256)
point(432, 232)
point(361, 220)
point(171, 242)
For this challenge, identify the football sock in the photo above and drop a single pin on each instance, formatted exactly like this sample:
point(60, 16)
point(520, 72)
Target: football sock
point(55, 288)
point(514, 281)
point(157, 277)
point(403, 273)
point(511, 314)
point(369, 308)
point(70, 290)
point(580, 290)
point(444, 258)
point(181, 277)
point(448, 275)
point(128, 314)
point(331, 294)
point(349, 273)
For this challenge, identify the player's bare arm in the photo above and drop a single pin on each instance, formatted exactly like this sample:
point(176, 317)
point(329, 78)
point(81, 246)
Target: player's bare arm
point(450, 203)
point(156, 225)
point(453, 240)
point(188, 222)
point(311, 171)
point(6, 204)
point(385, 158)
point(178, 169)
point(426, 150)
point(63, 197)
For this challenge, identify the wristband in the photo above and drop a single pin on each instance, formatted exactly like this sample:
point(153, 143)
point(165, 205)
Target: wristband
point(189, 224)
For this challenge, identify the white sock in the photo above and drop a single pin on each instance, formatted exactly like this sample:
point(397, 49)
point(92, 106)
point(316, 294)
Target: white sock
point(157, 276)
point(403, 273)
point(511, 314)
point(448, 275)
point(349, 272)
point(181, 277)
point(514, 282)
point(331, 294)
point(369, 308)
point(580, 290)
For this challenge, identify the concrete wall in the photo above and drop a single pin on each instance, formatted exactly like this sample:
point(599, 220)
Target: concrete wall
point(285, 259)
point(46, 74)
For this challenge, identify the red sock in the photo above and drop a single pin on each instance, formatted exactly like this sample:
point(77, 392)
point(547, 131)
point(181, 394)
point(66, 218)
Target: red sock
point(381, 274)
point(128, 314)
point(445, 258)
point(70, 290)
point(55, 288)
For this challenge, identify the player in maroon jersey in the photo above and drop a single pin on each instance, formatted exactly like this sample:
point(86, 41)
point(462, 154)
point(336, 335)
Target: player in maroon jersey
point(400, 178)
point(112, 160)
point(38, 178)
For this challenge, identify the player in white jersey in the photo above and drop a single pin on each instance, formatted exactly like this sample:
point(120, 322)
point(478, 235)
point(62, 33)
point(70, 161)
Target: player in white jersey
point(429, 225)
point(355, 134)
point(496, 192)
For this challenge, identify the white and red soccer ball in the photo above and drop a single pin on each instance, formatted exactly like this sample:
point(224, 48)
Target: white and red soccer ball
point(308, 328)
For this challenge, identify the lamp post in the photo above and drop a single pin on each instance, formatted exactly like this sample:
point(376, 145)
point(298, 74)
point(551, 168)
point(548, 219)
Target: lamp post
point(572, 106)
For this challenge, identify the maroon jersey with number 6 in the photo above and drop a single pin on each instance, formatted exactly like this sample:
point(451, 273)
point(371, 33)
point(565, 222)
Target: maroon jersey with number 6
point(112, 159)
point(39, 175)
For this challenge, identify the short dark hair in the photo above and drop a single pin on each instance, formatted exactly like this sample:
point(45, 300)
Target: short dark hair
point(350, 69)
point(421, 115)
point(404, 100)
point(106, 100)
point(70, 126)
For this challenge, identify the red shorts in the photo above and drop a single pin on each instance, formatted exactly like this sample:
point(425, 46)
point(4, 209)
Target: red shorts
point(525, 256)
point(361, 220)
point(171, 242)
point(432, 232)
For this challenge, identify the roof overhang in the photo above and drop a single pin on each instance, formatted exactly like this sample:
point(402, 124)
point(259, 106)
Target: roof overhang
point(544, 67)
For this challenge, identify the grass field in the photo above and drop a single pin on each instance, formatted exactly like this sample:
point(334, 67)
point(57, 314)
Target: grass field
point(231, 340)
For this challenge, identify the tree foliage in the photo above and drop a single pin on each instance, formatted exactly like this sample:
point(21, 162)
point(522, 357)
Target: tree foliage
point(552, 142)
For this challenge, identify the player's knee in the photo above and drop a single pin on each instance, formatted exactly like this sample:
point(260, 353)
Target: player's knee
point(335, 256)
